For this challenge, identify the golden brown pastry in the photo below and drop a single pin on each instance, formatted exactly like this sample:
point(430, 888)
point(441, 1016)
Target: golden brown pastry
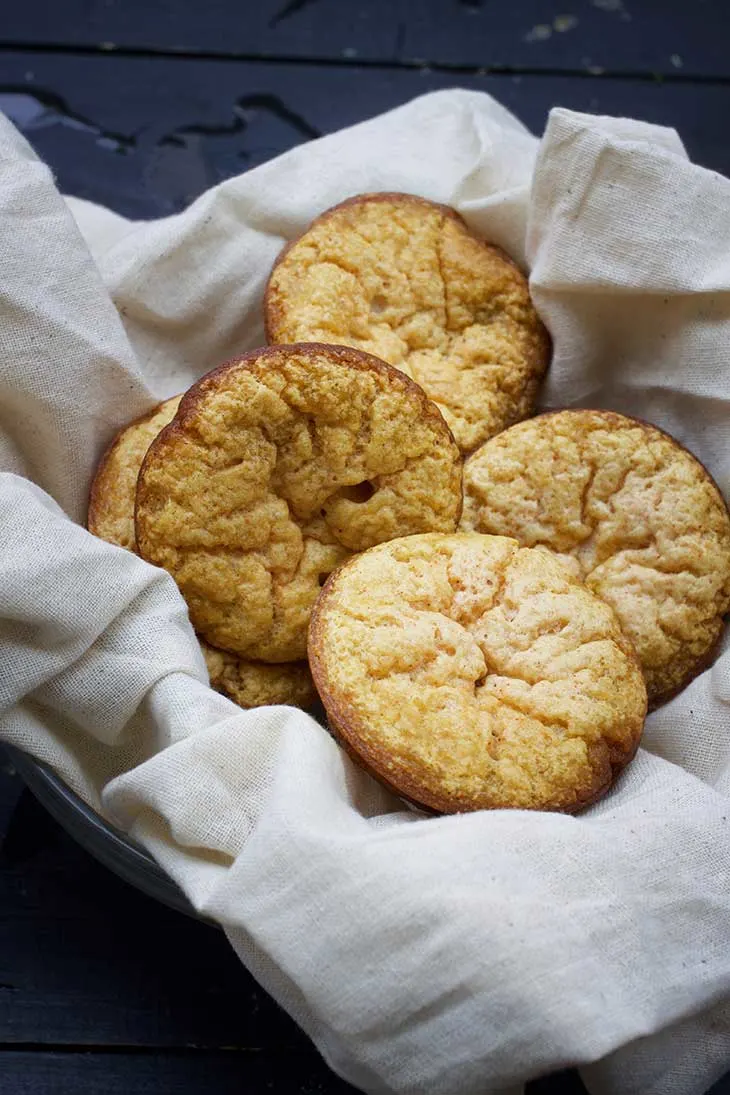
point(111, 499)
point(277, 467)
point(466, 673)
point(111, 517)
point(635, 514)
point(405, 279)
point(256, 684)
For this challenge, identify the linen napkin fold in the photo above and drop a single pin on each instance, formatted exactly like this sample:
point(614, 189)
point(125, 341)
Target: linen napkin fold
point(462, 954)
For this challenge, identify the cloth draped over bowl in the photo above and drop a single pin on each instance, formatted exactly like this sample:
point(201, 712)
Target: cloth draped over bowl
point(462, 954)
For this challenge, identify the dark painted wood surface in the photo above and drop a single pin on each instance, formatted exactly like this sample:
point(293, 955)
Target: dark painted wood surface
point(104, 990)
point(145, 135)
point(648, 36)
point(142, 104)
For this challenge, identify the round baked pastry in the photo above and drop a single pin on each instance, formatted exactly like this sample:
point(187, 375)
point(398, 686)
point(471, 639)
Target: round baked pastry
point(467, 673)
point(256, 684)
point(111, 517)
point(635, 514)
point(275, 469)
point(405, 279)
point(111, 499)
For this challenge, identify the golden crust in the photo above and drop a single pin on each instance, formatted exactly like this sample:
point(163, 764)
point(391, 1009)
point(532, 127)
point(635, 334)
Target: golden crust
point(635, 514)
point(111, 517)
point(277, 467)
point(403, 278)
point(466, 672)
point(255, 684)
point(111, 499)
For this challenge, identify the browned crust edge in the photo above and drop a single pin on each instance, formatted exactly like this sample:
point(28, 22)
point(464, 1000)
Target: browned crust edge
point(694, 671)
point(95, 490)
point(94, 501)
point(346, 726)
point(358, 199)
point(348, 355)
point(542, 359)
point(618, 418)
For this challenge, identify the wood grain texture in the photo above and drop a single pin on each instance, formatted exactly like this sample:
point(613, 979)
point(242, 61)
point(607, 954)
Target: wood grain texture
point(145, 136)
point(103, 990)
point(95, 998)
point(87, 960)
point(25, 1072)
point(661, 36)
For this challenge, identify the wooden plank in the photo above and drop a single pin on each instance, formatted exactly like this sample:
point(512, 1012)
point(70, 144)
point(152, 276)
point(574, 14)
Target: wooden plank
point(25, 1072)
point(101, 989)
point(87, 960)
point(94, 996)
point(232, 1073)
point(617, 35)
point(145, 136)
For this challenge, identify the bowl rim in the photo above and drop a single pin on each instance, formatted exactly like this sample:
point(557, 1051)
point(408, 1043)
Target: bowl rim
point(107, 844)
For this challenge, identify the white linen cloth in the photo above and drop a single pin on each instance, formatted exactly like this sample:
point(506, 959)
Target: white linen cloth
point(424, 957)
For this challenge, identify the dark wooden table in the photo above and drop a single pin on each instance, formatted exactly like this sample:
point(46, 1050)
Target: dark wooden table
point(141, 104)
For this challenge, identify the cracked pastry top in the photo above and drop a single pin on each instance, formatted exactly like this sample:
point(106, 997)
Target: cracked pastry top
point(276, 468)
point(635, 515)
point(405, 279)
point(466, 672)
point(111, 518)
point(258, 684)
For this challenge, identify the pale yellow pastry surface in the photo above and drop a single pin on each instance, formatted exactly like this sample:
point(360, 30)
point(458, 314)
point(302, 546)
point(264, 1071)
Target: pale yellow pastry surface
point(111, 517)
point(469, 673)
point(111, 501)
point(405, 279)
point(634, 514)
point(276, 468)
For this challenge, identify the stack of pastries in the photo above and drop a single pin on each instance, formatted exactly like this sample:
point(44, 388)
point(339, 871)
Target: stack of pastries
point(365, 511)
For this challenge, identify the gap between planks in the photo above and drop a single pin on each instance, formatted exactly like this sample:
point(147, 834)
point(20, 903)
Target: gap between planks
point(106, 49)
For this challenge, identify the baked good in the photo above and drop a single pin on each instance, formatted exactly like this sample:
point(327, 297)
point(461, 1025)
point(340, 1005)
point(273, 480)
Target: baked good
point(405, 279)
point(276, 467)
point(111, 517)
point(638, 517)
point(111, 499)
point(256, 684)
point(466, 673)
